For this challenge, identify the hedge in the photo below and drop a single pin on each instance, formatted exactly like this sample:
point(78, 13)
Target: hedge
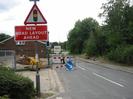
point(122, 54)
point(14, 85)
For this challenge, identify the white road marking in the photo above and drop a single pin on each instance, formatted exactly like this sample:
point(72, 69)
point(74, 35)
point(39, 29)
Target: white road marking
point(82, 68)
point(108, 80)
point(59, 98)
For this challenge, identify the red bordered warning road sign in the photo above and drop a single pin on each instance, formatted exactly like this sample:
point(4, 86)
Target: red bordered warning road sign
point(31, 33)
point(35, 16)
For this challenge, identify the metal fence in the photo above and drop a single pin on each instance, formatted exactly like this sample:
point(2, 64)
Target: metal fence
point(7, 58)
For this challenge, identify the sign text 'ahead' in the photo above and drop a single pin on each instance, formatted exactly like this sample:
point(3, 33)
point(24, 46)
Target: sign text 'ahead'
point(24, 33)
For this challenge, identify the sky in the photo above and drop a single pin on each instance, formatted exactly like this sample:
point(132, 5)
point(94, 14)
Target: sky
point(61, 15)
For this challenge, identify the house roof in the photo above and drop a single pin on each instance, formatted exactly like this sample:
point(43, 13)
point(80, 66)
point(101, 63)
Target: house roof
point(42, 42)
point(6, 39)
point(2, 42)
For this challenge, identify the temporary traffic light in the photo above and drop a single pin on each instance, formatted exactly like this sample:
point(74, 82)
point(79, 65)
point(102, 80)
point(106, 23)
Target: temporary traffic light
point(35, 16)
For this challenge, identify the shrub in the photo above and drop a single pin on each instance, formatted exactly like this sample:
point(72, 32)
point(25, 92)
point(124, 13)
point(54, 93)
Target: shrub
point(91, 48)
point(4, 97)
point(122, 54)
point(14, 85)
point(128, 55)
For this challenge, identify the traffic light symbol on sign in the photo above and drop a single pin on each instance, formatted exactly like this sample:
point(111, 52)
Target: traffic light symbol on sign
point(35, 15)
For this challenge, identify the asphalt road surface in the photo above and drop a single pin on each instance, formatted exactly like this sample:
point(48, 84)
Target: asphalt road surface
point(89, 81)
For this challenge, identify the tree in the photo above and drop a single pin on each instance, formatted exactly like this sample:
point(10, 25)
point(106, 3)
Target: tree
point(96, 43)
point(127, 25)
point(91, 46)
point(3, 36)
point(118, 14)
point(63, 45)
point(119, 31)
point(79, 34)
point(54, 44)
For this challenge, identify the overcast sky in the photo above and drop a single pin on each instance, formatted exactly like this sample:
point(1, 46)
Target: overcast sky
point(61, 15)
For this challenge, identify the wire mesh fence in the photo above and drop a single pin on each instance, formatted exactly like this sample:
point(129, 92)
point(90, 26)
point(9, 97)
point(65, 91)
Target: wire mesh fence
point(7, 58)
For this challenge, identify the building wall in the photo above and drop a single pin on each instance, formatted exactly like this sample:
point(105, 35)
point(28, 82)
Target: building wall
point(28, 49)
point(8, 45)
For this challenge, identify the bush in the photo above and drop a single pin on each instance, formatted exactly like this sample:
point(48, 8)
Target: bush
point(91, 48)
point(122, 54)
point(4, 97)
point(128, 55)
point(14, 85)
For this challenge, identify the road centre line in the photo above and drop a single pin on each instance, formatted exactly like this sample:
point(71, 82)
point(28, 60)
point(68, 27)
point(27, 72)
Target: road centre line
point(108, 79)
point(82, 68)
point(111, 81)
point(59, 98)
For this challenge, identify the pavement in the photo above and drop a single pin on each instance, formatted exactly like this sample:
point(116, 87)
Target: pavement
point(49, 81)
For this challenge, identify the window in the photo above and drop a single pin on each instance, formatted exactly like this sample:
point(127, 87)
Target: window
point(20, 43)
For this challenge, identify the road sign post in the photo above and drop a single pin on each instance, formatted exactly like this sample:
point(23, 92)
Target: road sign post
point(37, 72)
point(33, 32)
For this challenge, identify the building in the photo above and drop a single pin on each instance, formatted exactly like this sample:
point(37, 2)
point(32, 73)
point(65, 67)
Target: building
point(27, 48)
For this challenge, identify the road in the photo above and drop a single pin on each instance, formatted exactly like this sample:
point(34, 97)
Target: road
point(89, 81)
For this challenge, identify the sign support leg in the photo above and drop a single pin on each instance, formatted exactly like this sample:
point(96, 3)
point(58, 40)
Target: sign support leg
point(37, 72)
point(47, 52)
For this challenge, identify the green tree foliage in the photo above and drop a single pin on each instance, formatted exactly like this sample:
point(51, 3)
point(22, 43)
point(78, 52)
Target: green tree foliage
point(96, 43)
point(79, 34)
point(91, 46)
point(101, 43)
point(63, 45)
point(127, 25)
point(119, 30)
point(114, 39)
point(3, 36)
point(54, 44)
point(122, 54)
point(119, 20)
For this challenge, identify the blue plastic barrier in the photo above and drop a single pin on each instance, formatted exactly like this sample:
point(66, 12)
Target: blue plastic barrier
point(69, 64)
